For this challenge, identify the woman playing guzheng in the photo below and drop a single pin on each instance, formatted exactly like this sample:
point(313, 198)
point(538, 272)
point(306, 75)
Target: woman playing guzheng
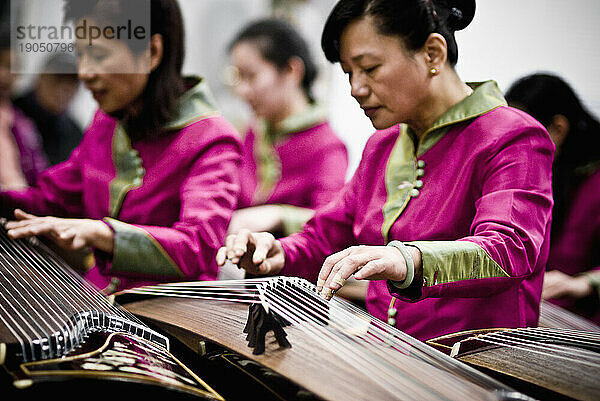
point(448, 213)
point(153, 184)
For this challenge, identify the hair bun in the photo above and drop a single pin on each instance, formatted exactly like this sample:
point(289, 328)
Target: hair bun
point(461, 14)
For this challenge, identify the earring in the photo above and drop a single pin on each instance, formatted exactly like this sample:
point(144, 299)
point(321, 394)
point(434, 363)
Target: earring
point(433, 71)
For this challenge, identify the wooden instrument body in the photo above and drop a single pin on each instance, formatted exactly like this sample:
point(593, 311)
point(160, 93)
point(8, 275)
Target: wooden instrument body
point(114, 357)
point(54, 326)
point(308, 364)
point(552, 363)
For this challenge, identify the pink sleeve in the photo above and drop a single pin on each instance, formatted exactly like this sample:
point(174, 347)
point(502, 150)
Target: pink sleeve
point(58, 191)
point(575, 247)
point(329, 231)
point(330, 174)
point(511, 225)
point(513, 214)
point(187, 249)
point(509, 234)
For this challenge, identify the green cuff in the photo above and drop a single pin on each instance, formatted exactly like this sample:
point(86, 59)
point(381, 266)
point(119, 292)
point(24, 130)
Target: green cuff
point(293, 218)
point(410, 266)
point(449, 261)
point(593, 277)
point(137, 252)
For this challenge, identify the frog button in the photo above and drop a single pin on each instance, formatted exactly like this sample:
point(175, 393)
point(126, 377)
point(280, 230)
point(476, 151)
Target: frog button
point(414, 192)
point(420, 163)
point(419, 184)
point(404, 185)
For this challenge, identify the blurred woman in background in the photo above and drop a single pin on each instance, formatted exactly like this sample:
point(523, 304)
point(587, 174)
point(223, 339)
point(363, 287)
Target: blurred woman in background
point(22, 156)
point(572, 279)
point(293, 162)
point(47, 105)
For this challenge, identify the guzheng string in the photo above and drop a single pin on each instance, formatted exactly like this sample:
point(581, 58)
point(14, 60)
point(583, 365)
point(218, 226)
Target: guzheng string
point(556, 317)
point(538, 341)
point(380, 351)
point(46, 306)
point(363, 347)
point(235, 291)
point(573, 337)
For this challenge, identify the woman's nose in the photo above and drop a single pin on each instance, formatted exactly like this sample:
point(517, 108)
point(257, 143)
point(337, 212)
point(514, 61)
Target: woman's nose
point(243, 90)
point(85, 71)
point(358, 87)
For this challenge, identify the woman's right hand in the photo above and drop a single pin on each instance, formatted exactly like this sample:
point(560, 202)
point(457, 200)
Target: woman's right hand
point(69, 234)
point(257, 253)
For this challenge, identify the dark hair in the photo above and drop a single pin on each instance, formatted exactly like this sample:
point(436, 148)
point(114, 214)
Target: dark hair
point(5, 35)
point(544, 96)
point(278, 42)
point(5, 14)
point(411, 20)
point(165, 83)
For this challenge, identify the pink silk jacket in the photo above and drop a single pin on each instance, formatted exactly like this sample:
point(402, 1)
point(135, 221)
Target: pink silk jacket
point(474, 195)
point(169, 200)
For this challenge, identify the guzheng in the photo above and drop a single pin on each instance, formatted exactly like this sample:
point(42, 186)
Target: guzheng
point(60, 336)
point(338, 351)
point(560, 359)
point(55, 326)
point(271, 338)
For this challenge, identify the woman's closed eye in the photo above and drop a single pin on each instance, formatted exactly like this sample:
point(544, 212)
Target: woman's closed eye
point(99, 55)
point(370, 70)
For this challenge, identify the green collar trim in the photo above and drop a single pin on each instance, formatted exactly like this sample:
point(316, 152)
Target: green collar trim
point(311, 116)
point(400, 180)
point(128, 169)
point(196, 104)
point(588, 169)
point(402, 174)
point(268, 165)
point(486, 97)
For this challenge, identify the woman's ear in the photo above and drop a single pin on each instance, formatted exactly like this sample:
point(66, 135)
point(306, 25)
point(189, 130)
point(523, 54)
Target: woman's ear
point(156, 50)
point(558, 129)
point(295, 69)
point(436, 52)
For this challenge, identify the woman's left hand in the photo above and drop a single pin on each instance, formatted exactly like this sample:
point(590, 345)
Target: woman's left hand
point(560, 285)
point(256, 219)
point(366, 263)
point(70, 234)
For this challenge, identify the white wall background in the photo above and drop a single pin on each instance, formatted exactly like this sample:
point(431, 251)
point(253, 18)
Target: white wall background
point(507, 39)
point(511, 38)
